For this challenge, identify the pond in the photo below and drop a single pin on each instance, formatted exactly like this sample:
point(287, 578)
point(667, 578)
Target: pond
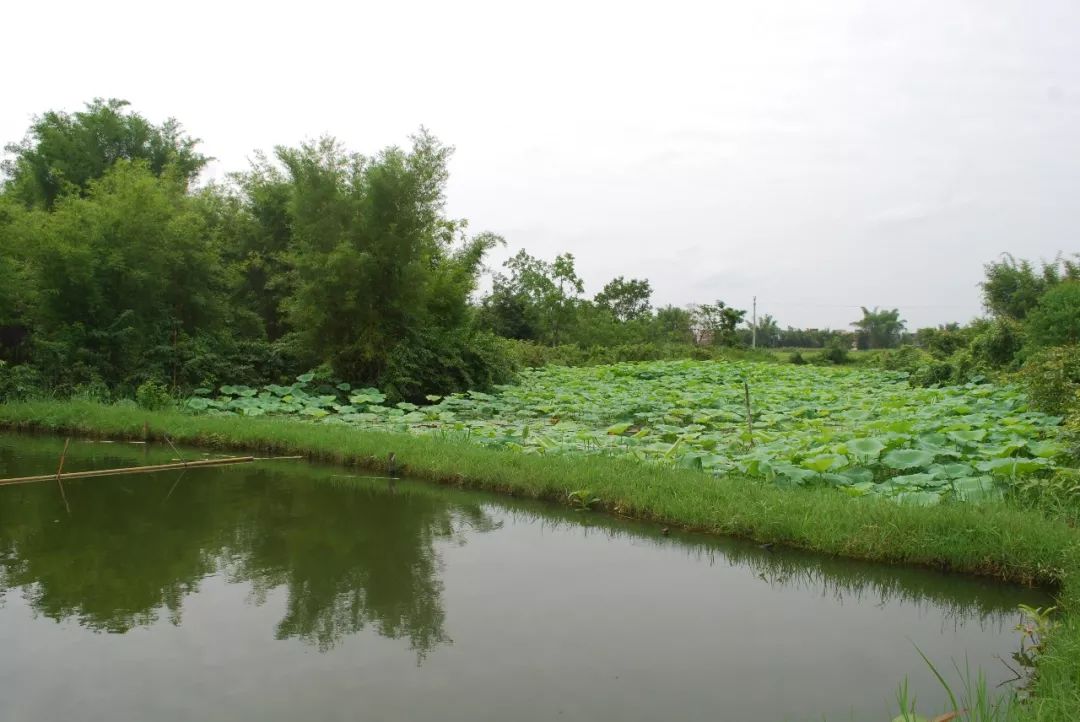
point(283, 590)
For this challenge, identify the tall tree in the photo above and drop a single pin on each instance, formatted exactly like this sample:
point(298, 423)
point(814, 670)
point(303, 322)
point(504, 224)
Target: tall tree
point(716, 323)
point(126, 272)
point(534, 299)
point(1055, 320)
point(768, 331)
point(879, 328)
point(381, 279)
point(63, 153)
point(1013, 287)
point(627, 300)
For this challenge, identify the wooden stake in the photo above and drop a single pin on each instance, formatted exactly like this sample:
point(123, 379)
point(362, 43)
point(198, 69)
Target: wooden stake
point(749, 415)
point(63, 455)
point(127, 470)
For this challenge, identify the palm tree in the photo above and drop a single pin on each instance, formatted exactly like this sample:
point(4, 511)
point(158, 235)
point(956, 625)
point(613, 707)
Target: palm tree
point(879, 328)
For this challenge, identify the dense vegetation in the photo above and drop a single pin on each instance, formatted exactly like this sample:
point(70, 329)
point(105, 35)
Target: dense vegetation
point(865, 431)
point(117, 273)
point(123, 278)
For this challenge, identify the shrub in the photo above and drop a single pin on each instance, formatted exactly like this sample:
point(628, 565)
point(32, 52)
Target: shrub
point(905, 358)
point(152, 395)
point(444, 362)
point(18, 382)
point(1051, 378)
point(796, 358)
point(1056, 319)
point(997, 344)
point(933, 373)
point(836, 351)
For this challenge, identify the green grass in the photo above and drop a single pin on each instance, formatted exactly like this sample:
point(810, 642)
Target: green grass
point(993, 539)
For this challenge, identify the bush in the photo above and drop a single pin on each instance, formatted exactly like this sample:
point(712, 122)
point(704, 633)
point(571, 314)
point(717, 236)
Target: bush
point(796, 358)
point(445, 362)
point(1052, 379)
point(152, 396)
point(19, 382)
point(1056, 319)
point(836, 352)
point(997, 344)
point(933, 373)
point(906, 358)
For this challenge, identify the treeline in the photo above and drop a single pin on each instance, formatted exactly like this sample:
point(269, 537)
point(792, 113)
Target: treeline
point(1032, 329)
point(117, 271)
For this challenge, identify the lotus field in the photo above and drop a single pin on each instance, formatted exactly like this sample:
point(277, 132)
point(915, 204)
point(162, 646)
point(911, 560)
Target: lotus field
point(862, 431)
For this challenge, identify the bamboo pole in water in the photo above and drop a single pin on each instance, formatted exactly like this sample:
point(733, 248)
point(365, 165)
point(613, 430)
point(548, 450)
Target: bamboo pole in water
point(59, 469)
point(128, 470)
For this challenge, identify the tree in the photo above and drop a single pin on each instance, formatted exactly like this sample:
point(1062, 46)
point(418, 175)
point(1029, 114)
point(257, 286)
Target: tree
point(381, 279)
point(768, 331)
point(126, 273)
point(1012, 288)
point(879, 328)
point(534, 300)
point(252, 216)
point(716, 323)
point(63, 153)
point(672, 324)
point(1055, 320)
point(627, 300)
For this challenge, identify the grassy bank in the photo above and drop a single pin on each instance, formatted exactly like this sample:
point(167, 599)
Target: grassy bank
point(993, 539)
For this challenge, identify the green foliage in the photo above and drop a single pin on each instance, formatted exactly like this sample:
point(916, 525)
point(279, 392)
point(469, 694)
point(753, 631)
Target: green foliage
point(836, 352)
point(64, 153)
point(797, 358)
point(16, 285)
point(865, 431)
point(19, 382)
point(153, 396)
point(672, 324)
point(906, 358)
point(880, 328)
point(1051, 378)
point(716, 323)
point(527, 354)
point(626, 300)
point(381, 277)
point(129, 268)
point(1055, 320)
point(768, 332)
point(997, 344)
point(944, 341)
point(1012, 288)
point(534, 300)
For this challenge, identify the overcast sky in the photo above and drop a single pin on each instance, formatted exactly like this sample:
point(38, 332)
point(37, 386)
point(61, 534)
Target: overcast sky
point(822, 154)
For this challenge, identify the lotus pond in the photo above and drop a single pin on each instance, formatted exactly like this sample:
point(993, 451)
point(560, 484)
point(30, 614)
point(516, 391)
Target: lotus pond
point(283, 590)
point(862, 431)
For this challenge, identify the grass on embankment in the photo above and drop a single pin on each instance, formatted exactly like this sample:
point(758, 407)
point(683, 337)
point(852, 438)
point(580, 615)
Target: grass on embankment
point(992, 539)
point(995, 539)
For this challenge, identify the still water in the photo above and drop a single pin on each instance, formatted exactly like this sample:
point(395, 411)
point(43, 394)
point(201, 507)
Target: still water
point(283, 591)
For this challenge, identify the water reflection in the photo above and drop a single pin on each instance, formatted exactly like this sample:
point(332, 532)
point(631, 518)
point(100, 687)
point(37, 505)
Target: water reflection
point(350, 553)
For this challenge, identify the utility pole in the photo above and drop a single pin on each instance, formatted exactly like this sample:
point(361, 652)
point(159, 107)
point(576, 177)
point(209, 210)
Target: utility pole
point(753, 326)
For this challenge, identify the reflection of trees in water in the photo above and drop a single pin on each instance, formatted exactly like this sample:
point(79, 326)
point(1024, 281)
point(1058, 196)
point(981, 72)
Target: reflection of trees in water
point(369, 561)
point(350, 556)
point(958, 598)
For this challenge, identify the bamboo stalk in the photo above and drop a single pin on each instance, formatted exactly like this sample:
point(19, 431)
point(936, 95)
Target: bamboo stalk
point(127, 470)
point(63, 455)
